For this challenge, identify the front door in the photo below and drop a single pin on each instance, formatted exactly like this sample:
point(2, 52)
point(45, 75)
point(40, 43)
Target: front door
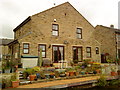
point(58, 53)
point(77, 54)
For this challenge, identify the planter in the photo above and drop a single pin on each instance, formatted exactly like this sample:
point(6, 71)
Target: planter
point(113, 73)
point(52, 76)
point(82, 72)
point(118, 72)
point(15, 84)
point(32, 77)
point(62, 75)
point(37, 75)
point(67, 73)
point(98, 71)
point(71, 74)
point(7, 70)
point(86, 72)
point(76, 73)
point(94, 72)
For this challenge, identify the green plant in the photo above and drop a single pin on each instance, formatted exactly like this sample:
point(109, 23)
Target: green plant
point(113, 69)
point(114, 82)
point(57, 74)
point(75, 61)
point(110, 60)
point(13, 77)
point(30, 71)
point(36, 69)
point(42, 74)
point(25, 74)
point(70, 70)
point(102, 81)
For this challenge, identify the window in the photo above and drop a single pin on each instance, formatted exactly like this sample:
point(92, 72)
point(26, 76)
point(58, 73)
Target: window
point(43, 49)
point(97, 50)
point(79, 33)
point(58, 53)
point(77, 53)
point(118, 37)
point(55, 31)
point(25, 48)
point(88, 51)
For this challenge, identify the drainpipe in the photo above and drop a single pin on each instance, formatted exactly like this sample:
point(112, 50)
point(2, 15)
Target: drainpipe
point(116, 46)
point(19, 52)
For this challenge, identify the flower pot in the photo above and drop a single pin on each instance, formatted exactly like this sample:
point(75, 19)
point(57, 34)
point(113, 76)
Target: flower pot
point(118, 72)
point(94, 72)
point(52, 76)
point(15, 84)
point(37, 75)
point(32, 77)
point(71, 73)
point(67, 73)
point(82, 72)
point(113, 73)
point(86, 72)
point(76, 73)
point(98, 71)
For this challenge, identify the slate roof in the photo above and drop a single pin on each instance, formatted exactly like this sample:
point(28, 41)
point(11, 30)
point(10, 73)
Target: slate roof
point(5, 41)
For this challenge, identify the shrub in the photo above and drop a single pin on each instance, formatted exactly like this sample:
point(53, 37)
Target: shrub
point(36, 69)
point(102, 81)
point(114, 82)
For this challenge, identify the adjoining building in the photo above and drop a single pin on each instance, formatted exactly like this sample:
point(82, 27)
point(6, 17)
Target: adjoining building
point(109, 37)
point(4, 53)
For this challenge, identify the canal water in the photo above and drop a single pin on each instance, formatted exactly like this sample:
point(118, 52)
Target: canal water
point(90, 87)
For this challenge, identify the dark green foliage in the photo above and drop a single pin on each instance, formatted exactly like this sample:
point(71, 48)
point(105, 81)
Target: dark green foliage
point(102, 81)
point(114, 82)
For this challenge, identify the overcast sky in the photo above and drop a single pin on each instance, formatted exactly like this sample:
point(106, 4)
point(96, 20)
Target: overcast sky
point(97, 12)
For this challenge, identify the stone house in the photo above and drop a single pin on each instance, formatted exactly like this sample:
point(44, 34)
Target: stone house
point(109, 37)
point(61, 32)
point(4, 48)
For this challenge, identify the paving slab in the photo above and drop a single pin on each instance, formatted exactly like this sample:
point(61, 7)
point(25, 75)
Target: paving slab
point(59, 82)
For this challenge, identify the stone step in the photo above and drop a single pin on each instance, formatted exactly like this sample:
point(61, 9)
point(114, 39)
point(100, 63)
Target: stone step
point(21, 78)
point(24, 82)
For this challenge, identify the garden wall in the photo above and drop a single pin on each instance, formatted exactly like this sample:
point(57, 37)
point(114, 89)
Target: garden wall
point(29, 62)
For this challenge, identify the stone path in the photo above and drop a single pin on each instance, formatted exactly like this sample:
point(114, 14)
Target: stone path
point(58, 82)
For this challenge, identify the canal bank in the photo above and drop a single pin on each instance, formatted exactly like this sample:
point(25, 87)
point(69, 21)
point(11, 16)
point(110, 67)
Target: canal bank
point(62, 83)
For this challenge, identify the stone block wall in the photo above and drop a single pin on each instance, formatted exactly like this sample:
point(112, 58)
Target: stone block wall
point(68, 20)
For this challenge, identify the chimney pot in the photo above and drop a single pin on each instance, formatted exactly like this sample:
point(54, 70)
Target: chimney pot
point(112, 26)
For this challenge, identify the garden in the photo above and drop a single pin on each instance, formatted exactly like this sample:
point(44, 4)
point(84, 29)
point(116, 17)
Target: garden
point(49, 72)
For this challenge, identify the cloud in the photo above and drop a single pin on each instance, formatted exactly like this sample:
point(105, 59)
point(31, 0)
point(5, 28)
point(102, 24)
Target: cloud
point(13, 12)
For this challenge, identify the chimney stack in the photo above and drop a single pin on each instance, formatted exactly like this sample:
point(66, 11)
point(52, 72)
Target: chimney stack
point(112, 26)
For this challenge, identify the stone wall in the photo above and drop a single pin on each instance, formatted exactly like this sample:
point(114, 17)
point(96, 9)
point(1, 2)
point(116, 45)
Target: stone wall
point(68, 20)
point(106, 36)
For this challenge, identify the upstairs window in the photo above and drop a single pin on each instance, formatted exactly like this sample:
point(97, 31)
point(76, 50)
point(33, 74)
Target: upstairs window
point(43, 49)
point(97, 50)
point(88, 51)
point(79, 33)
point(55, 30)
point(25, 48)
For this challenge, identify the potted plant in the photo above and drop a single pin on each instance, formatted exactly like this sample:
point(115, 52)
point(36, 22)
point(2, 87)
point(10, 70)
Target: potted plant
point(14, 80)
point(57, 74)
point(52, 75)
point(25, 74)
point(62, 74)
point(71, 71)
point(118, 72)
point(31, 73)
point(113, 73)
point(15, 83)
point(42, 75)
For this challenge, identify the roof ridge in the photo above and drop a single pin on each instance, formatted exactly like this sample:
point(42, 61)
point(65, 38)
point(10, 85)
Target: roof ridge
point(51, 8)
point(107, 27)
